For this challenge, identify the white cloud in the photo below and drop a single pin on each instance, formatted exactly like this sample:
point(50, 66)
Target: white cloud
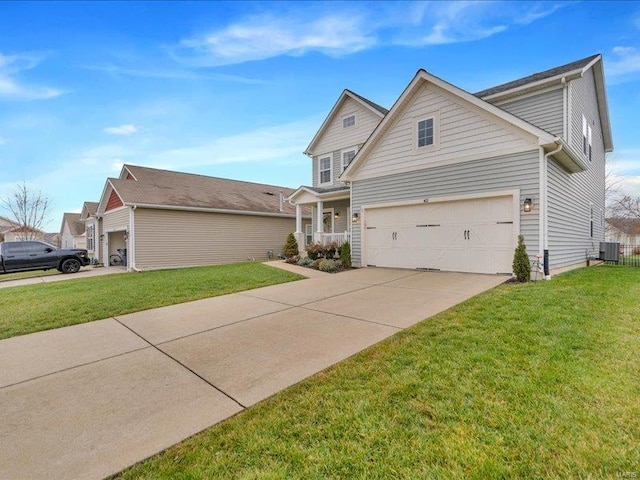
point(118, 71)
point(267, 36)
point(626, 61)
point(126, 129)
point(12, 89)
point(356, 28)
point(624, 166)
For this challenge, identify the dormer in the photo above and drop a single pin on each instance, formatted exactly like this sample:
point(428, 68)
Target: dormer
point(343, 132)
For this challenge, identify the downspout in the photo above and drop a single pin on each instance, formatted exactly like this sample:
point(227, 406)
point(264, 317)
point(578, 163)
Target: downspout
point(543, 209)
point(565, 110)
point(131, 254)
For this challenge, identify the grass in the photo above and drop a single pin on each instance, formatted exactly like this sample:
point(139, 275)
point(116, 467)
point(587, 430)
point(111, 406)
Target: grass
point(45, 306)
point(525, 381)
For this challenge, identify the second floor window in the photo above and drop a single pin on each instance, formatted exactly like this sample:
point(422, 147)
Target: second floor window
point(584, 134)
point(325, 169)
point(349, 121)
point(589, 140)
point(347, 156)
point(425, 132)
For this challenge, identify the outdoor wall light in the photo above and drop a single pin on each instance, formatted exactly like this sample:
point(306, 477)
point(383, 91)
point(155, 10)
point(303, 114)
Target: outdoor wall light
point(528, 204)
point(336, 215)
point(355, 217)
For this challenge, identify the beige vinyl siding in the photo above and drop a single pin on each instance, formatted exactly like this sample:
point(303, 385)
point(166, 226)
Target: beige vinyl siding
point(570, 195)
point(462, 131)
point(518, 171)
point(336, 138)
point(172, 238)
point(544, 110)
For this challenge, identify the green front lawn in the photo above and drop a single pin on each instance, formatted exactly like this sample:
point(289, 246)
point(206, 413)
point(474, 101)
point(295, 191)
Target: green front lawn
point(20, 275)
point(525, 381)
point(44, 306)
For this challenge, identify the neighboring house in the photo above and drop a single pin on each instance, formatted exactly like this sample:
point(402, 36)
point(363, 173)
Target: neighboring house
point(623, 230)
point(172, 219)
point(18, 234)
point(53, 239)
point(88, 215)
point(5, 226)
point(72, 233)
point(447, 180)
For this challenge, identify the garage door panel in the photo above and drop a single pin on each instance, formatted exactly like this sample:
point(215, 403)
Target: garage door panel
point(466, 236)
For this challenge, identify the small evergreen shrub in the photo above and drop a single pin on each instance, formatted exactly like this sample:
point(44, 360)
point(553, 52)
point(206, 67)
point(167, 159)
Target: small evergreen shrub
point(345, 255)
point(328, 265)
point(290, 247)
point(521, 264)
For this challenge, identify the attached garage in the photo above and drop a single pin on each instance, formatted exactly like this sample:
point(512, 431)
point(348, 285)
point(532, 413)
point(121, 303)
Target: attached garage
point(467, 235)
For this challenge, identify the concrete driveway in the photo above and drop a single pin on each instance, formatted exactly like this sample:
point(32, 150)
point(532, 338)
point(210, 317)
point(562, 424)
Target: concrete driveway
point(89, 400)
point(85, 272)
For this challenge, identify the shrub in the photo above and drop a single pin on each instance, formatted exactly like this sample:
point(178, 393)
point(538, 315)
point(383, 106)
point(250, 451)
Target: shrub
point(345, 255)
point(290, 246)
point(330, 249)
point(521, 264)
point(636, 251)
point(293, 259)
point(328, 265)
point(315, 250)
point(306, 262)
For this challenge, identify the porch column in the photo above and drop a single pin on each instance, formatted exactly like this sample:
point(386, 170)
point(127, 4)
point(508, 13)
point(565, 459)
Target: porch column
point(319, 222)
point(299, 234)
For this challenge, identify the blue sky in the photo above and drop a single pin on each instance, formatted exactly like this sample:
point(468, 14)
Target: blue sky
point(238, 90)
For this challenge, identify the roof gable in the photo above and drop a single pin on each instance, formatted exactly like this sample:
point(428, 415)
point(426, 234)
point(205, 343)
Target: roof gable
point(347, 95)
point(508, 122)
point(73, 223)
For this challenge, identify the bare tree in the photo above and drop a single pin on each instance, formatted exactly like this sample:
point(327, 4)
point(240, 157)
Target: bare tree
point(626, 207)
point(29, 209)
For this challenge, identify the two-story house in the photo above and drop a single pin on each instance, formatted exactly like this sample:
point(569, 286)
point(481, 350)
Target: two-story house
point(447, 180)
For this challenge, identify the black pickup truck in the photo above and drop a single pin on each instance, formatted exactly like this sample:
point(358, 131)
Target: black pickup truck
point(34, 255)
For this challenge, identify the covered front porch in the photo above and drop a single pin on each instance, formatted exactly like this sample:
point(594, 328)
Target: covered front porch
point(330, 217)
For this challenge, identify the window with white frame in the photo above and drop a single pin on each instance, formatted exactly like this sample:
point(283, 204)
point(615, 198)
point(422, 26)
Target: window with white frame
point(90, 238)
point(308, 233)
point(325, 169)
point(426, 132)
point(347, 157)
point(584, 134)
point(349, 121)
point(591, 220)
point(589, 140)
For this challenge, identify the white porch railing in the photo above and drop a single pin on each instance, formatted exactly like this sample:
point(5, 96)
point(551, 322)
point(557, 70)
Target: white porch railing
point(339, 238)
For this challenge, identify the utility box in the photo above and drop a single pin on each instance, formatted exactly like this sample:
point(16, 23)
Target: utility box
point(610, 251)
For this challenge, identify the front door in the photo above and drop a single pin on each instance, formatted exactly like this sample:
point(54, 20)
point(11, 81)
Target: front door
point(327, 221)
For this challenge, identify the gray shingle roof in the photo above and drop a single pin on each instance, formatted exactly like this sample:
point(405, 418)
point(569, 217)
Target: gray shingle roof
point(177, 189)
point(380, 108)
point(537, 77)
point(328, 190)
point(76, 226)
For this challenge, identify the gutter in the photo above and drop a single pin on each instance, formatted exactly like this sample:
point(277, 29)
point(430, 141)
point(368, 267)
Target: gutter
point(209, 210)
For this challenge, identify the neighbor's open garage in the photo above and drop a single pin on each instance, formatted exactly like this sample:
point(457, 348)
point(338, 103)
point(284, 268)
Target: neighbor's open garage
point(473, 235)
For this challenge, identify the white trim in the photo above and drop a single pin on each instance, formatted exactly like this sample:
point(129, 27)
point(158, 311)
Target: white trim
point(123, 177)
point(117, 209)
point(355, 120)
point(320, 170)
point(444, 198)
point(532, 85)
point(334, 110)
point(131, 238)
point(478, 155)
point(342, 152)
point(331, 211)
point(542, 202)
point(435, 144)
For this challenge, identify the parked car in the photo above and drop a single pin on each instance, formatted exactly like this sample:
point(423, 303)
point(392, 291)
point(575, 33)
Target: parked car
point(34, 255)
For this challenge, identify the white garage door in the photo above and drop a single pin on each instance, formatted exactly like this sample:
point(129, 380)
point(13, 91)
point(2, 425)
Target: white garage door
point(462, 236)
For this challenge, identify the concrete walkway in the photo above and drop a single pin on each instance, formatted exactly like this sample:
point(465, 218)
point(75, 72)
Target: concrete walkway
point(87, 401)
